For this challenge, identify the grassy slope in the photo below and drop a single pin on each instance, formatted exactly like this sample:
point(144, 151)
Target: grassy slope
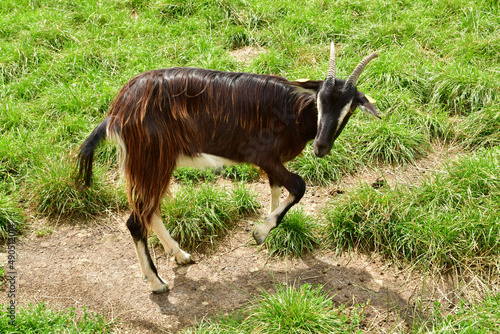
point(61, 62)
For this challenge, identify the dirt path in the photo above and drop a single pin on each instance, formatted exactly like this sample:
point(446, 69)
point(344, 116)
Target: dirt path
point(97, 268)
point(94, 265)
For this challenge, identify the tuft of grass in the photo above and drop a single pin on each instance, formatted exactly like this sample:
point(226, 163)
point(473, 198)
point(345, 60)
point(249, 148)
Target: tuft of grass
point(241, 172)
point(480, 318)
point(38, 318)
point(342, 160)
point(56, 194)
point(393, 142)
point(189, 175)
point(480, 129)
point(302, 309)
point(202, 214)
point(10, 215)
point(295, 236)
point(449, 221)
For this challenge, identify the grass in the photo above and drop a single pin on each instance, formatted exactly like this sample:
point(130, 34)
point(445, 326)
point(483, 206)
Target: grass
point(480, 318)
point(242, 172)
point(200, 215)
point(62, 63)
point(449, 221)
point(56, 194)
point(10, 216)
point(302, 309)
point(38, 318)
point(296, 235)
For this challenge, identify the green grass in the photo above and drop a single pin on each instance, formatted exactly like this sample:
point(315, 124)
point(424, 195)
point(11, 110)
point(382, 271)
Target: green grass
point(296, 235)
point(62, 63)
point(449, 221)
point(302, 309)
point(480, 318)
point(55, 193)
point(242, 172)
point(38, 318)
point(200, 215)
point(10, 215)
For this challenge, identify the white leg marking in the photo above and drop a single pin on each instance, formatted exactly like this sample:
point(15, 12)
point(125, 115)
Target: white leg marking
point(169, 244)
point(262, 231)
point(156, 284)
point(275, 197)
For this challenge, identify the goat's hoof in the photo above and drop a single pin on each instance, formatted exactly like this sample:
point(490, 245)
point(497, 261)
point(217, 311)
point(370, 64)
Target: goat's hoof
point(183, 258)
point(158, 286)
point(162, 289)
point(259, 237)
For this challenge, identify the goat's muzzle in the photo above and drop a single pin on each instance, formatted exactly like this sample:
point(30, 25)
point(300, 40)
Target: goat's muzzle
point(321, 149)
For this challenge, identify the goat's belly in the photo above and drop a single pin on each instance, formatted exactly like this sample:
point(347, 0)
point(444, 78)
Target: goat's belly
point(203, 160)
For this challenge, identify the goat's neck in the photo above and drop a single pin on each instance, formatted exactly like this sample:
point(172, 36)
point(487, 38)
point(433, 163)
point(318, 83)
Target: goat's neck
point(309, 122)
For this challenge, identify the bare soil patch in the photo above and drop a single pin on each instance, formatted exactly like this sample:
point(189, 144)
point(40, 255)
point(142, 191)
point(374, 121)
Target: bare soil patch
point(246, 54)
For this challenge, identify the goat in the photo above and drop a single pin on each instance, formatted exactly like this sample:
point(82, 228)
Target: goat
point(169, 118)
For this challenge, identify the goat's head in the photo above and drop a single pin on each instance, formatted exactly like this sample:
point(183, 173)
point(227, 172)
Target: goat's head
point(336, 101)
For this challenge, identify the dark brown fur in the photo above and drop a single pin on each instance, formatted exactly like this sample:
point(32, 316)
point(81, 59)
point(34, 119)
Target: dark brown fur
point(161, 114)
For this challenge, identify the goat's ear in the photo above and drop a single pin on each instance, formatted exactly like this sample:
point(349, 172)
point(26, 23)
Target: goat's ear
point(365, 105)
point(306, 85)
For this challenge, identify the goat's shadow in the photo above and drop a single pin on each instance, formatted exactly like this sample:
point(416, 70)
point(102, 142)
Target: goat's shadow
point(191, 299)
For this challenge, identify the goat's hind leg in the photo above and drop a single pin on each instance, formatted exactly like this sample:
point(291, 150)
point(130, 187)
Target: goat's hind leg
point(169, 244)
point(148, 269)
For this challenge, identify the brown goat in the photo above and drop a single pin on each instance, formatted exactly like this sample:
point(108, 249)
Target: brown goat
point(175, 117)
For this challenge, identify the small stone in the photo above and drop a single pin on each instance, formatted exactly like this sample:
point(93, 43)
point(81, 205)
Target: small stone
point(204, 303)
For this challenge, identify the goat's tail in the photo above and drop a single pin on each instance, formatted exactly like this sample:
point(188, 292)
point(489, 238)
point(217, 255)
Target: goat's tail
point(86, 154)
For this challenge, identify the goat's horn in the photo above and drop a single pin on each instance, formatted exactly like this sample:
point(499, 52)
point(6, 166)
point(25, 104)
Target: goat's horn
point(361, 66)
point(331, 63)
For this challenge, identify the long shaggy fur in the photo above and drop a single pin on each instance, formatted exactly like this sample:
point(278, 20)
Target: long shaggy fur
point(165, 113)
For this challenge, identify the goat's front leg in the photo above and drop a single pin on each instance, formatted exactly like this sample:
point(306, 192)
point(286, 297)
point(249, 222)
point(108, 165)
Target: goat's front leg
point(169, 244)
point(296, 188)
point(275, 195)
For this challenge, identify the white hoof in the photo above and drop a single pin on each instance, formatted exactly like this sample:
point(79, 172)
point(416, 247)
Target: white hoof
point(157, 285)
point(260, 234)
point(183, 258)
